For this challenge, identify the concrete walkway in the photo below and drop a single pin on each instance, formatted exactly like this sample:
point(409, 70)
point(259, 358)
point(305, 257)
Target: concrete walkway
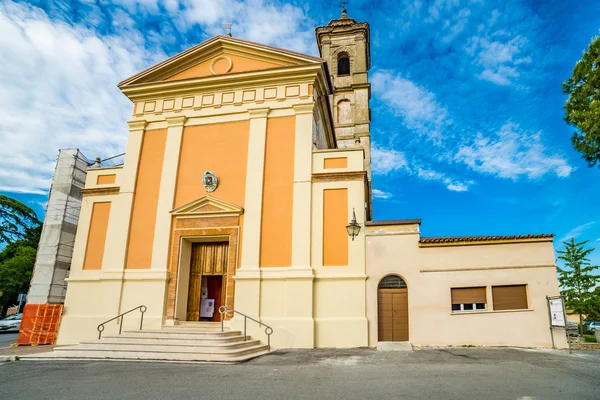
point(450, 373)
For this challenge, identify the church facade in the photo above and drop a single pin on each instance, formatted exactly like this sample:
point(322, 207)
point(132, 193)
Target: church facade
point(244, 166)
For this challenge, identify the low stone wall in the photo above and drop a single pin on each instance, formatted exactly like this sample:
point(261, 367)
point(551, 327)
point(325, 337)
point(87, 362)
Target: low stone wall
point(586, 346)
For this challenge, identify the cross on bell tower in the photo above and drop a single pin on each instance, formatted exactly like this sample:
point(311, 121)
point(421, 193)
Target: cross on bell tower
point(343, 7)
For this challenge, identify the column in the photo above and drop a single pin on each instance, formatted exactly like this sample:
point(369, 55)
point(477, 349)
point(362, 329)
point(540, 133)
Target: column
point(166, 195)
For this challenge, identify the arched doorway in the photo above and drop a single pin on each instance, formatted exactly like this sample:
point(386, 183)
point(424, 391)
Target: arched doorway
point(392, 309)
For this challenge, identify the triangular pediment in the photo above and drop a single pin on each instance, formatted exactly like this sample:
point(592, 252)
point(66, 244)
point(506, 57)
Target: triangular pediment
point(220, 55)
point(207, 205)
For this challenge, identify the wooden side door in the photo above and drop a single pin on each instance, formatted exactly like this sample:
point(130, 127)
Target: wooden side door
point(385, 315)
point(392, 319)
point(400, 319)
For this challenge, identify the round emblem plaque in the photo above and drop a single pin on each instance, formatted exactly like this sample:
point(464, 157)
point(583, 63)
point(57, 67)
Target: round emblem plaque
point(209, 181)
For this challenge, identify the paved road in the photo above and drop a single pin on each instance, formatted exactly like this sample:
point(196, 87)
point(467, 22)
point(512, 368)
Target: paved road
point(6, 339)
point(459, 373)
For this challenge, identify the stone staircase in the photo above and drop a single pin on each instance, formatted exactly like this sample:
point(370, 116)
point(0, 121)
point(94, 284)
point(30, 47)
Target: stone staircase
point(188, 342)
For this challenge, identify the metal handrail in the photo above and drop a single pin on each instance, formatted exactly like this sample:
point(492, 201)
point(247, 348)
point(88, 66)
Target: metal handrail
point(142, 309)
point(268, 329)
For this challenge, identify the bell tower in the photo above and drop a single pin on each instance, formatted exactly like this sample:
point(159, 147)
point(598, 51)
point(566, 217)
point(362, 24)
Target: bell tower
point(344, 44)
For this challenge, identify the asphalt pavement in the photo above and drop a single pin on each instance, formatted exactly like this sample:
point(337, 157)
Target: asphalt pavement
point(8, 338)
point(449, 373)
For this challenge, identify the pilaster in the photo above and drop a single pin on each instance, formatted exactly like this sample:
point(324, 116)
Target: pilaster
point(166, 195)
point(247, 277)
point(120, 214)
point(301, 214)
point(254, 188)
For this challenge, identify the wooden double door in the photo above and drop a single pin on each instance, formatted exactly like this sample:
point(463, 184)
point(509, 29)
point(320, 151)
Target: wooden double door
point(392, 305)
point(208, 272)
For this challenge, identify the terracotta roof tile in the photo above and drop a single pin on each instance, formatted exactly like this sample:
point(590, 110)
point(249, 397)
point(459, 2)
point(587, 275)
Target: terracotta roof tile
point(457, 239)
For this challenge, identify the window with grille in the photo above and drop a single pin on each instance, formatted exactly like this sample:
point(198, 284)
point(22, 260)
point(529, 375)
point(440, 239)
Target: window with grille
point(392, 282)
point(468, 299)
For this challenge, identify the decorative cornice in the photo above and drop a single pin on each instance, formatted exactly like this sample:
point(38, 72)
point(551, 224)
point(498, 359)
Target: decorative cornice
point(339, 176)
point(137, 125)
point(394, 222)
point(241, 80)
point(173, 122)
point(103, 191)
point(306, 108)
point(215, 208)
point(262, 112)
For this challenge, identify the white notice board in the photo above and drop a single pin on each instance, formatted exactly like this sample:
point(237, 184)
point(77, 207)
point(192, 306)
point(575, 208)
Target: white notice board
point(556, 312)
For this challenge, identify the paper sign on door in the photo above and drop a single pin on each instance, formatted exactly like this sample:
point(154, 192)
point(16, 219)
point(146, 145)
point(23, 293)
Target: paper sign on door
point(207, 308)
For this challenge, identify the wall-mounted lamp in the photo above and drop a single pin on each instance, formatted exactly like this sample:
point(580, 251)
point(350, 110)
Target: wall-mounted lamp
point(353, 227)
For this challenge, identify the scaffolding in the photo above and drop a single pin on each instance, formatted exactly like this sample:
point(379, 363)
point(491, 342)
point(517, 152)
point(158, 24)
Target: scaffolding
point(55, 249)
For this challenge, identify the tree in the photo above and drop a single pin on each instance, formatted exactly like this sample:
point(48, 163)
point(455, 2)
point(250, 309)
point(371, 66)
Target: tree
point(593, 311)
point(582, 108)
point(15, 275)
point(20, 230)
point(577, 280)
point(15, 219)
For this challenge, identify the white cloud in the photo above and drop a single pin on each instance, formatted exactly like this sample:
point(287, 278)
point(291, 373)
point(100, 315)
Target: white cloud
point(577, 231)
point(266, 21)
point(387, 160)
point(380, 194)
point(59, 86)
point(499, 59)
point(512, 153)
point(458, 187)
point(501, 76)
point(415, 104)
point(59, 90)
point(451, 184)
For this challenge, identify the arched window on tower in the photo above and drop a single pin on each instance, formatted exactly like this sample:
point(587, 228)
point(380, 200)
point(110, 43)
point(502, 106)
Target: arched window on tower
point(343, 64)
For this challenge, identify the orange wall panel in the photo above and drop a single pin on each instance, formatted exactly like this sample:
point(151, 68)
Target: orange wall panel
point(239, 64)
point(219, 148)
point(335, 219)
point(340, 162)
point(145, 201)
point(94, 251)
point(278, 193)
point(106, 179)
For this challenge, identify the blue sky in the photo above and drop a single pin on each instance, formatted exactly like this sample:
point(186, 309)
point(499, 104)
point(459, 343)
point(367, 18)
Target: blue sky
point(467, 111)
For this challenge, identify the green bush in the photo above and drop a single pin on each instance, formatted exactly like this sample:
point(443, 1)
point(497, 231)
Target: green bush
point(587, 331)
point(590, 339)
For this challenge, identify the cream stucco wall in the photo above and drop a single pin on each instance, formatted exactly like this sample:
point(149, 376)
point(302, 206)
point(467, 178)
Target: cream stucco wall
point(430, 273)
point(307, 304)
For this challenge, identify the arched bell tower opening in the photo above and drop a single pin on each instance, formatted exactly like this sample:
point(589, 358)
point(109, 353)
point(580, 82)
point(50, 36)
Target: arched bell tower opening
point(343, 64)
point(392, 309)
